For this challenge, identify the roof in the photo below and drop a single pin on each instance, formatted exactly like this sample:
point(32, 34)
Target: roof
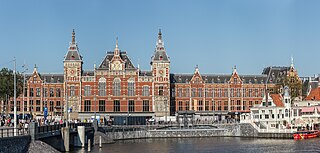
point(277, 100)
point(49, 78)
point(218, 78)
point(307, 109)
point(275, 73)
point(73, 50)
point(314, 94)
point(160, 55)
point(145, 73)
point(124, 57)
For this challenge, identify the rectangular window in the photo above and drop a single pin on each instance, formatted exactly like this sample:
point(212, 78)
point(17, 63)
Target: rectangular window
point(87, 90)
point(131, 105)
point(38, 108)
point(180, 106)
point(87, 105)
point(256, 92)
point(25, 106)
point(102, 88)
point(18, 105)
point(200, 105)
point(131, 88)
point(102, 105)
point(72, 93)
point(179, 92)
point(206, 92)
point(145, 91)
point(38, 92)
point(58, 92)
point(51, 92)
point(187, 105)
point(200, 92)
point(51, 106)
point(238, 92)
point(262, 92)
point(244, 92)
point(116, 105)
point(30, 105)
point(31, 92)
point(145, 105)
point(250, 92)
point(37, 102)
point(58, 103)
point(225, 108)
point(206, 105)
point(238, 102)
point(187, 92)
point(225, 93)
point(193, 92)
point(45, 92)
point(231, 92)
point(160, 90)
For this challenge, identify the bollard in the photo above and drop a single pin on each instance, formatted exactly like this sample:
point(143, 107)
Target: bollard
point(89, 145)
point(100, 145)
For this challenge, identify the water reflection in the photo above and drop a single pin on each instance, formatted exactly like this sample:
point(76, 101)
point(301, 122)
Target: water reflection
point(209, 144)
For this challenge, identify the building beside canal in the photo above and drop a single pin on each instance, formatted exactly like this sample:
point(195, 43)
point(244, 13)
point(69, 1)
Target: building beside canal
point(116, 88)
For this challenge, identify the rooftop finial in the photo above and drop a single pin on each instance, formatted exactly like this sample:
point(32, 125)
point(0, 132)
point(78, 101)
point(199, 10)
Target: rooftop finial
point(197, 68)
point(291, 61)
point(117, 46)
point(160, 43)
point(234, 68)
point(35, 68)
point(73, 37)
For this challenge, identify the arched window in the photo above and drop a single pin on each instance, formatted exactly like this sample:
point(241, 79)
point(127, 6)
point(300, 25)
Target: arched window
point(102, 87)
point(131, 87)
point(116, 87)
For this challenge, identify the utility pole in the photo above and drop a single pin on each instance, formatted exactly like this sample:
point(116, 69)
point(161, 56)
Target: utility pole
point(14, 96)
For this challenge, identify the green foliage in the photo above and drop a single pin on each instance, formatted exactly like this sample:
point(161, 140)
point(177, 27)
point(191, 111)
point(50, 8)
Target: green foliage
point(6, 83)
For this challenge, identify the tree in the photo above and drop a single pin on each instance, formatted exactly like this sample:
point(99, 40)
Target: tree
point(6, 83)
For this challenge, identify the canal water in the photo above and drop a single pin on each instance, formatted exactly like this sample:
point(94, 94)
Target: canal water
point(208, 145)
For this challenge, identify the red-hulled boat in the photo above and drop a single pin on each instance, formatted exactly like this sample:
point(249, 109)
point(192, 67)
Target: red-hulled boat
point(306, 135)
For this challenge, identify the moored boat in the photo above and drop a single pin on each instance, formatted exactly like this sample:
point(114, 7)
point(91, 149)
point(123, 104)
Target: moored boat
point(306, 135)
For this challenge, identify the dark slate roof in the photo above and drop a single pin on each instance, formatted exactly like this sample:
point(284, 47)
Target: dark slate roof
point(218, 78)
point(275, 73)
point(160, 55)
point(73, 55)
point(145, 73)
point(88, 73)
point(49, 78)
point(105, 63)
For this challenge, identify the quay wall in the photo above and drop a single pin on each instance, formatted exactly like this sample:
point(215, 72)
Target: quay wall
point(226, 130)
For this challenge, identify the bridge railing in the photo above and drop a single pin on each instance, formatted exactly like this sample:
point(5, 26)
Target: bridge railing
point(57, 127)
point(11, 132)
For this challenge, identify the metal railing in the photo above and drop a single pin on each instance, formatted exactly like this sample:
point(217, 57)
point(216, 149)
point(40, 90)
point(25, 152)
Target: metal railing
point(57, 127)
point(11, 132)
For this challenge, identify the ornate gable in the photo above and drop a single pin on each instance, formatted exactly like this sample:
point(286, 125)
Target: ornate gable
point(196, 78)
point(235, 78)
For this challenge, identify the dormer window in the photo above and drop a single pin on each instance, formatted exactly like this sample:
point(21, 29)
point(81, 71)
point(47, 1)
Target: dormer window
point(160, 57)
point(235, 80)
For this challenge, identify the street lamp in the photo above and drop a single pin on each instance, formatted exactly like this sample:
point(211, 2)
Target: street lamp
point(15, 95)
point(23, 90)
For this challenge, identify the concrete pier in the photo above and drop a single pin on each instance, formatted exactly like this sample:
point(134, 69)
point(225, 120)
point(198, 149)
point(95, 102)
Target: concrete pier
point(80, 138)
point(66, 139)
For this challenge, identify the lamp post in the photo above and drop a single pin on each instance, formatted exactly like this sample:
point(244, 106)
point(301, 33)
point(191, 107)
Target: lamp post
point(14, 96)
point(23, 90)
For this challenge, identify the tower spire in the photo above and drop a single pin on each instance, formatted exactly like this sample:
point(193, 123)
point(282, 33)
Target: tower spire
point(73, 41)
point(291, 61)
point(116, 50)
point(160, 44)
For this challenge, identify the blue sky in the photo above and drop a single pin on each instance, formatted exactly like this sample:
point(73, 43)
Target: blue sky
point(215, 34)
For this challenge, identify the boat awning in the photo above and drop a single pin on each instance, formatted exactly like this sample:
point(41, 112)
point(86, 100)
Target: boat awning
point(307, 109)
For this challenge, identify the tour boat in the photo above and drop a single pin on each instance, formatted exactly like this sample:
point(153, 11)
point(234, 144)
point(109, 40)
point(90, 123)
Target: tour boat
point(306, 135)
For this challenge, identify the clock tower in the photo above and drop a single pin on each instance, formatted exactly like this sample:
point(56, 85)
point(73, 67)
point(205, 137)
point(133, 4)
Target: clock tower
point(160, 67)
point(72, 77)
